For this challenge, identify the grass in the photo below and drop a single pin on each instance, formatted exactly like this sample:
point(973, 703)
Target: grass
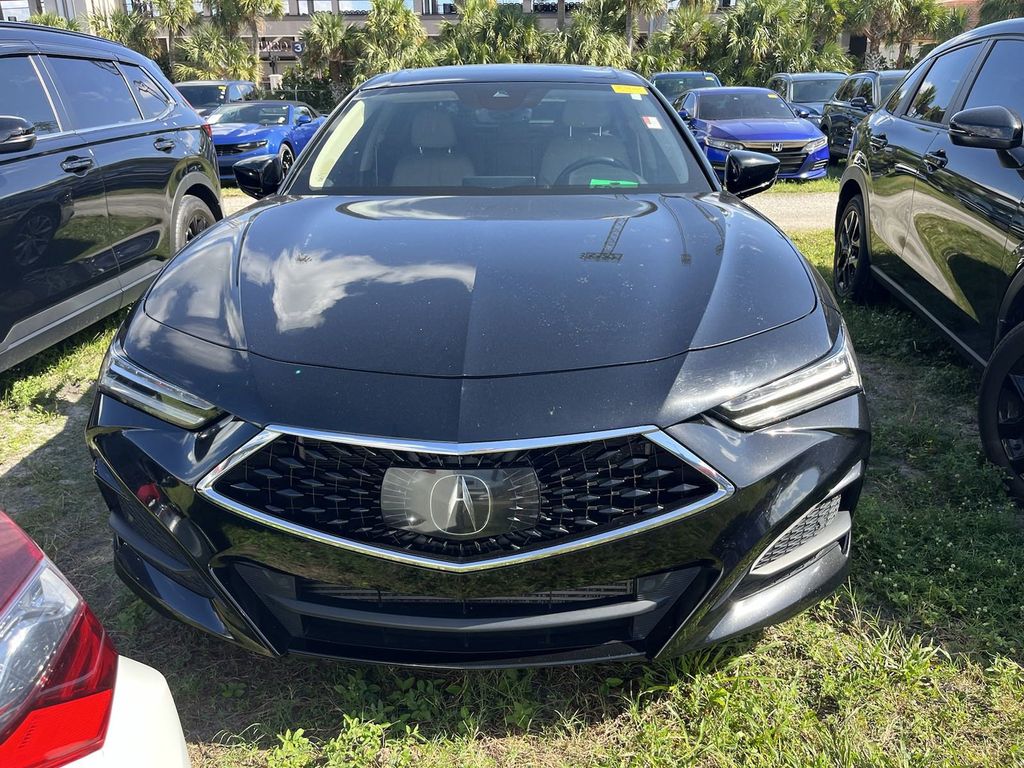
point(830, 183)
point(917, 662)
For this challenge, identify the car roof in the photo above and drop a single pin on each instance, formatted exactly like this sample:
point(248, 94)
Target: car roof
point(1007, 27)
point(514, 73)
point(879, 72)
point(265, 103)
point(807, 75)
point(212, 82)
point(701, 92)
point(685, 72)
point(38, 34)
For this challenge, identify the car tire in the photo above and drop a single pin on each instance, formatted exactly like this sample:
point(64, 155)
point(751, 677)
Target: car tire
point(851, 259)
point(191, 219)
point(287, 157)
point(1001, 410)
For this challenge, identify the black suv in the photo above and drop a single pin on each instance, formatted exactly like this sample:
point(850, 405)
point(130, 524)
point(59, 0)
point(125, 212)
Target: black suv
point(859, 94)
point(809, 90)
point(930, 208)
point(104, 173)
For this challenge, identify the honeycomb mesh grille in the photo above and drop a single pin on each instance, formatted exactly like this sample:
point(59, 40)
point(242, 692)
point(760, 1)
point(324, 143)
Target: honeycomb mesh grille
point(805, 529)
point(585, 488)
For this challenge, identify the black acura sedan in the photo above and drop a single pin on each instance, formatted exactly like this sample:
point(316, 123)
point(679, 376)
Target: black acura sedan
point(498, 375)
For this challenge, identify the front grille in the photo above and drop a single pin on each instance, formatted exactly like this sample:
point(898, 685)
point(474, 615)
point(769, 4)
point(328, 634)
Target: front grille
point(802, 531)
point(790, 162)
point(553, 597)
point(230, 149)
point(583, 489)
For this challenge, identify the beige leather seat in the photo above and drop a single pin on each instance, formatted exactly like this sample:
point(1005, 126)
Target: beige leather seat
point(586, 126)
point(434, 162)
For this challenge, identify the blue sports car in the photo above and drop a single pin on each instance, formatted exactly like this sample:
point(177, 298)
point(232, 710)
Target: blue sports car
point(254, 128)
point(758, 119)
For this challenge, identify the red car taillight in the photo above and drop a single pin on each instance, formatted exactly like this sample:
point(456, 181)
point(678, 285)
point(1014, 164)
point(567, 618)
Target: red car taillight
point(57, 665)
point(208, 129)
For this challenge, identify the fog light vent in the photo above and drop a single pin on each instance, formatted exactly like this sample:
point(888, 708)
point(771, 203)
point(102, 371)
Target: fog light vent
point(816, 529)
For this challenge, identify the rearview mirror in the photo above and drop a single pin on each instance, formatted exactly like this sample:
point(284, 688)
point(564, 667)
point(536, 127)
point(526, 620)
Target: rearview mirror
point(859, 102)
point(303, 120)
point(987, 128)
point(16, 134)
point(747, 173)
point(259, 176)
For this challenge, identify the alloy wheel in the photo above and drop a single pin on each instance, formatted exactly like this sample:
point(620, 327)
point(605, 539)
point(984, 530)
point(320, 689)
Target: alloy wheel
point(199, 222)
point(848, 244)
point(1010, 417)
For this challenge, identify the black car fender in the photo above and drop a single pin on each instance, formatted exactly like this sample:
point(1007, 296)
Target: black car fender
point(1011, 308)
point(196, 182)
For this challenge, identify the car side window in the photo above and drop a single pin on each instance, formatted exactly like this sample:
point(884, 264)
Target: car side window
point(940, 84)
point(24, 95)
point(1001, 80)
point(234, 93)
point(93, 92)
point(299, 111)
point(690, 103)
point(845, 92)
point(779, 86)
point(863, 89)
point(152, 100)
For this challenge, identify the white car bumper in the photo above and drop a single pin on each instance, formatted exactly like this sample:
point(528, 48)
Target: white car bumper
point(144, 728)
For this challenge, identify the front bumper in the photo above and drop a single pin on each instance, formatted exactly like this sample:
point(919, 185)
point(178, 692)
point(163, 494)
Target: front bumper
point(226, 163)
point(803, 168)
point(690, 582)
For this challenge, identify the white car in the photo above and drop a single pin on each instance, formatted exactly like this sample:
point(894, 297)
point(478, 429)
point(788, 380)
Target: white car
point(66, 697)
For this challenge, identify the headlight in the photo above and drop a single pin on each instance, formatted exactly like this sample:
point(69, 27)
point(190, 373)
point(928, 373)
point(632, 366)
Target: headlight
point(251, 145)
point(722, 144)
point(815, 145)
point(830, 378)
point(122, 379)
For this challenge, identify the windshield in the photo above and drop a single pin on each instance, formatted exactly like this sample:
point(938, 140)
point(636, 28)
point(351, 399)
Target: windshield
point(500, 138)
point(262, 114)
point(887, 84)
point(677, 85)
point(204, 95)
point(815, 90)
point(742, 105)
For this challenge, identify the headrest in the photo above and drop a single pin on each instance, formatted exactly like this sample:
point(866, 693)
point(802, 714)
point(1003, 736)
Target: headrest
point(583, 113)
point(433, 130)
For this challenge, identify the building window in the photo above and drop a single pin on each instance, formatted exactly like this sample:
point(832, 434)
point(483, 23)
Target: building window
point(14, 10)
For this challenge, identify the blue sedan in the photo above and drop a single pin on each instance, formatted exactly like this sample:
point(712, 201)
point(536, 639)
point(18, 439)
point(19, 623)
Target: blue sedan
point(255, 128)
point(758, 119)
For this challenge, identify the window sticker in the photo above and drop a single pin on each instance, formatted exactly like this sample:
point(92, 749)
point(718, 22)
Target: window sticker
point(629, 89)
point(772, 95)
point(613, 183)
point(652, 122)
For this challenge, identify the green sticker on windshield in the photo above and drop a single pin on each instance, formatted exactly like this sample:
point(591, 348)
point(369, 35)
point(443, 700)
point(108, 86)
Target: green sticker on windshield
point(613, 183)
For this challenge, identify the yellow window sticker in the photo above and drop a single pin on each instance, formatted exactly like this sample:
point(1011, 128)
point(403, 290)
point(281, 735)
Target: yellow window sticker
point(629, 89)
point(773, 95)
point(708, 77)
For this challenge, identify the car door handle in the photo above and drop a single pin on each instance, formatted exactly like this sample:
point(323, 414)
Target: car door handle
point(164, 145)
point(76, 164)
point(879, 141)
point(933, 161)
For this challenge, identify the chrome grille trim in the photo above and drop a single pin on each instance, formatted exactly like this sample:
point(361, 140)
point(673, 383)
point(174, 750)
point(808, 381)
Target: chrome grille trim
point(763, 146)
point(724, 489)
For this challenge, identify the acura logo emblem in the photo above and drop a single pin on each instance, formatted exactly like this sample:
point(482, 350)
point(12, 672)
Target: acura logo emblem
point(777, 146)
point(460, 505)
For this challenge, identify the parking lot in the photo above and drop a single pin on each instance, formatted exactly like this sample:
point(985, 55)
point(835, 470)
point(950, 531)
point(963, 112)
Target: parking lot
point(916, 662)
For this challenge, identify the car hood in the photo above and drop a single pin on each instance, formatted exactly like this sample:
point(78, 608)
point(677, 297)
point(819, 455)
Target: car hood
point(763, 130)
point(236, 132)
point(484, 286)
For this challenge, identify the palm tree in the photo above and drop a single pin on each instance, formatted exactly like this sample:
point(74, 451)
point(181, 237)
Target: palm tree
point(877, 20)
point(561, 14)
point(997, 10)
point(488, 33)
point(595, 37)
point(254, 13)
point(333, 43)
point(176, 16)
point(208, 53)
point(683, 42)
point(920, 19)
point(54, 20)
point(636, 9)
point(134, 29)
point(392, 38)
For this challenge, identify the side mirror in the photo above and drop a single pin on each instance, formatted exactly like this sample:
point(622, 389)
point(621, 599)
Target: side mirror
point(802, 112)
point(747, 173)
point(259, 176)
point(859, 102)
point(303, 120)
point(685, 115)
point(987, 128)
point(16, 134)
